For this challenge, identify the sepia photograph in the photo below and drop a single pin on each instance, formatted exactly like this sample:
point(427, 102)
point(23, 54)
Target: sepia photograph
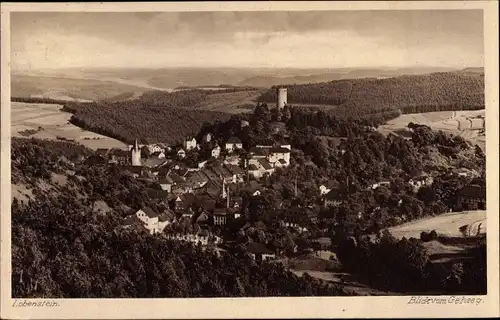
point(248, 154)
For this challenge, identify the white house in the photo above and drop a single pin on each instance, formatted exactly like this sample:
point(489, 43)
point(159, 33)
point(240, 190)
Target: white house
point(189, 143)
point(419, 182)
point(152, 148)
point(258, 167)
point(166, 184)
point(327, 187)
point(158, 155)
point(216, 151)
point(202, 164)
point(208, 137)
point(181, 153)
point(260, 252)
point(233, 160)
point(279, 153)
point(149, 218)
point(220, 217)
point(380, 184)
point(233, 143)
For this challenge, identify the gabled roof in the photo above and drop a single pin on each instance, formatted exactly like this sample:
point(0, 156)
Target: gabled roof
point(167, 215)
point(157, 194)
point(166, 180)
point(252, 167)
point(233, 140)
point(279, 150)
point(187, 199)
point(203, 217)
point(259, 151)
point(252, 186)
point(258, 248)
point(220, 212)
point(265, 164)
point(149, 212)
point(176, 178)
point(333, 184)
point(336, 195)
point(234, 169)
point(153, 162)
point(133, 169)
point(206, 202)
point(132, 220)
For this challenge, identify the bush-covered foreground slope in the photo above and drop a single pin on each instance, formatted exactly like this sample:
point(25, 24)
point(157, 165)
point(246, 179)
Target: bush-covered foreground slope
point(63, 248)
point(410, 94)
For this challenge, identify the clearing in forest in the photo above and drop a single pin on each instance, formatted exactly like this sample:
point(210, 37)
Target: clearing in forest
point(47, 121)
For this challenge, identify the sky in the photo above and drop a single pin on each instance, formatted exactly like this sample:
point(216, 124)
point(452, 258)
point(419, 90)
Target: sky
point(298, 39)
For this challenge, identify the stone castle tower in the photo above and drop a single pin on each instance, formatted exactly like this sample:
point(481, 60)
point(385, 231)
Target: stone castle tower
point(282, 98)
point(136, 154)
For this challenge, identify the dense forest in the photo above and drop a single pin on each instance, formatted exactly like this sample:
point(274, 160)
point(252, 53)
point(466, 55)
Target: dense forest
point(38, 100)
point(62, 247)
point(405, 266)
point(409, 94)
point(149, 122)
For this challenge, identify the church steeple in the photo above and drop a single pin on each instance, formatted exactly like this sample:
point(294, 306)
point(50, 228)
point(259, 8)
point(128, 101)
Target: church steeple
point(136, 154)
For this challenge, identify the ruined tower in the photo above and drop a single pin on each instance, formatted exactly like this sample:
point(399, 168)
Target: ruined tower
point(282, 99)
point(136, 154)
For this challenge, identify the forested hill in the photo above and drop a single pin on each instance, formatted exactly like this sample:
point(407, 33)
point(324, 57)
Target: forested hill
point(64, 245)
point(410, 94)
point(151, 123)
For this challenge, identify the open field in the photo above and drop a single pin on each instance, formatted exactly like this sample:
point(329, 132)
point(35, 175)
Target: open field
point(348, 281)
point(233, 102)
point(447, 224)
point(467, 124)
point(46, 121)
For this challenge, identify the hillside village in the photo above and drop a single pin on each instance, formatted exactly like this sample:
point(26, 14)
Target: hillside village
point(204, 183)
point(303, 189)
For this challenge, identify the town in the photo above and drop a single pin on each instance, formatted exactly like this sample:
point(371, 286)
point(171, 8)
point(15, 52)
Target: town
point(204, 183)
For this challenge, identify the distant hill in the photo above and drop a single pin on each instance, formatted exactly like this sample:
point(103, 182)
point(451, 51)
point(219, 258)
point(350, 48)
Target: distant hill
point(472, 71)
point(114, 84)
point(414, 93)
point(69, 89)
point(340, 74)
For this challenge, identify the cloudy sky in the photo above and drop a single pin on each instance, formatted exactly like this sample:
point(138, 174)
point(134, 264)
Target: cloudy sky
point(323, 39)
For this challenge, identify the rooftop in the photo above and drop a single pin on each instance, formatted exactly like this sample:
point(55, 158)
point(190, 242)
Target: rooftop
point(258, 248)
point(149, 212)
point(233, 140)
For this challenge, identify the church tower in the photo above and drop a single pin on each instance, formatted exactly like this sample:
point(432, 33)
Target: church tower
point(136, 154)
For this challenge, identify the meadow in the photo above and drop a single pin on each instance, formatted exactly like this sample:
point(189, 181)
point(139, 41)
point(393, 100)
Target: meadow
point(46, 121)
point(466, 124)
